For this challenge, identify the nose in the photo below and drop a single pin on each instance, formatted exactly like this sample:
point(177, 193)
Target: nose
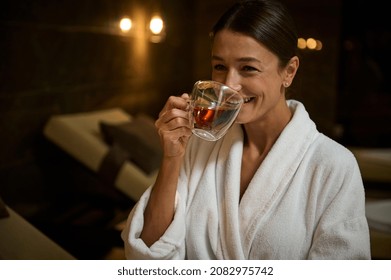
point(233, 81)
point(236, 87)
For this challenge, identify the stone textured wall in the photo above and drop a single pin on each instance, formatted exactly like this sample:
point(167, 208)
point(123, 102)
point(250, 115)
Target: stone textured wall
point(64, 57)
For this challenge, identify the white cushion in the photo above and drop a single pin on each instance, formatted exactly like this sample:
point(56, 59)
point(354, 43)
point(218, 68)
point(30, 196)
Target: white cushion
point(79, 135)
point(375, 163)
point(19, 240)
point(379, 215)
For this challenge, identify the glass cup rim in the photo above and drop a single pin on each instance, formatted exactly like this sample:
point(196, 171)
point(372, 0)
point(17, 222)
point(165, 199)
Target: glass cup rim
point(216, 83)
point(223, 86)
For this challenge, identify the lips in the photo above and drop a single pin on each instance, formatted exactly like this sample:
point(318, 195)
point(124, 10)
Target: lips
point(248, 99)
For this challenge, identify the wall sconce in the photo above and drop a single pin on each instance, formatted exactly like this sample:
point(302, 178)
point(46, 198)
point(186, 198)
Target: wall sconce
point(125, 24)
point(155, 30)
point(310, 44)
point(156, 27)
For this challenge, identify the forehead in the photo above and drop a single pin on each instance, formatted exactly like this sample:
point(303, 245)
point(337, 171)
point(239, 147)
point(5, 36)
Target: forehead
point(233, 45)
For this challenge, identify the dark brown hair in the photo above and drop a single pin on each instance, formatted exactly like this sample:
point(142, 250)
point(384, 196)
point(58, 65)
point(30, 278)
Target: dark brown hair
point(267, 21)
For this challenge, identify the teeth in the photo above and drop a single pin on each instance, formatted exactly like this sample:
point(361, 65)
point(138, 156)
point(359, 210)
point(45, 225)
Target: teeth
point(247, 99)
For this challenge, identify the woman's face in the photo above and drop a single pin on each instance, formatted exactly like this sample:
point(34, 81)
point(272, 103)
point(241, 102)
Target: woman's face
point(244, 64)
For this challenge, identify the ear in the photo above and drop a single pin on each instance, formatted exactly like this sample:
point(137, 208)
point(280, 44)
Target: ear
point(290, 70)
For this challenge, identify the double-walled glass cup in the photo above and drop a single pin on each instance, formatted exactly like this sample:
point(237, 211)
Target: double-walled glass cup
point(213, 109)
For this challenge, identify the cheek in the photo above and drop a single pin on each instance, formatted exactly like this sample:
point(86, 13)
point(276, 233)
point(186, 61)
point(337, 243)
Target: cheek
point(252, 89)
point(261, 87)
point(218, 77)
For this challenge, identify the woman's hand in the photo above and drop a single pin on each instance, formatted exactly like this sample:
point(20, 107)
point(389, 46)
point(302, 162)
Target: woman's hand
point(173, 125)
point(174, 129)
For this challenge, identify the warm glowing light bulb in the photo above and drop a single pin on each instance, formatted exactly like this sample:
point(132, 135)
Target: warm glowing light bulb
point(311, 43)
point(125, 24)
point(156, 25)
point(319, 45)
point(301, 43)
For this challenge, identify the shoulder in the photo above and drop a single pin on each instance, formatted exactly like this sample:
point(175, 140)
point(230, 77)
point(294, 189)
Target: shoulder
point(332, 155)
point(333, 170)
point(333, 149)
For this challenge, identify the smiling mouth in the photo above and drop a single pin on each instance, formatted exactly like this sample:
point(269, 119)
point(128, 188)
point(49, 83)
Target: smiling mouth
point(248, 99)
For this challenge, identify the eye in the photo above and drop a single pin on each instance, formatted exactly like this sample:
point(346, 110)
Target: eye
point(248, 68)
point(219, 67)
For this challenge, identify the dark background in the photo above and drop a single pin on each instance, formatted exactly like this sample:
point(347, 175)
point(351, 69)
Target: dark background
point(59, 57)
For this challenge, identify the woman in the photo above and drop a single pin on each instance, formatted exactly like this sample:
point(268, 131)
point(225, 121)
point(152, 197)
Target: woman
point(273, 187)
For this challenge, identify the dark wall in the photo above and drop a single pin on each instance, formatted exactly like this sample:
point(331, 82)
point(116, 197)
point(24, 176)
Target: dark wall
point(62, 57)
point(316, 82)
point(364, 107)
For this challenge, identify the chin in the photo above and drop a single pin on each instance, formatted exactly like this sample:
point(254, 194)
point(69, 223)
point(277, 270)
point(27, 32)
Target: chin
point(240, 120)
point(244, 114)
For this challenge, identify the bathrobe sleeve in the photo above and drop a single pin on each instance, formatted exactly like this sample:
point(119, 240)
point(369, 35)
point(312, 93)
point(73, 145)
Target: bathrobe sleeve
point(170, 246)
point(342, 232)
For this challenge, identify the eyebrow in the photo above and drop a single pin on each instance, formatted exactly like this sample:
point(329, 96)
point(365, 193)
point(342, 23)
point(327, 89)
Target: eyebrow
point(242, 59)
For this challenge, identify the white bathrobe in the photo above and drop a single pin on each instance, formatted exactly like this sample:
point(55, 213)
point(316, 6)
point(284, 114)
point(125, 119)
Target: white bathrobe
point(306, 201)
